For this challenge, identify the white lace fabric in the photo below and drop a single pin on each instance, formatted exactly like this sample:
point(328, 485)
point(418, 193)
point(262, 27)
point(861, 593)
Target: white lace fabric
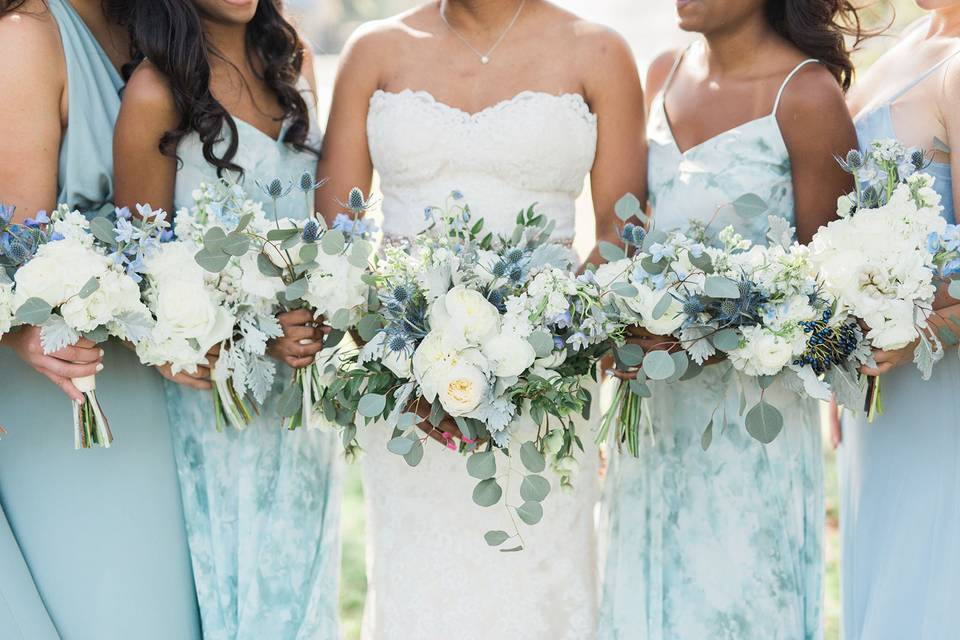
point(431, 576)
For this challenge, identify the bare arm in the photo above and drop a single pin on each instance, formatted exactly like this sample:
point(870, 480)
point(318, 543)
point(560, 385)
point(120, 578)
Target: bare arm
point(816, 127)
point(32, 117)
point(616, 97)
point(142, 173)
point(345, 160)
point(32, 111)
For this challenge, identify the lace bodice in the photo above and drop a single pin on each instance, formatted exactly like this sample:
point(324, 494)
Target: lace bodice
point(533, 148)
point(431, 576)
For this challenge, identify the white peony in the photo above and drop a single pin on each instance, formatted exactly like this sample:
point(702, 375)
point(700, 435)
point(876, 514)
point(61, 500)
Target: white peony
point(462, 388)
point(509, 355)
point(466, 316)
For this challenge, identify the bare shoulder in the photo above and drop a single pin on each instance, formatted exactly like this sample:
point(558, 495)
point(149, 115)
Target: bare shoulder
point(660, 69)
point(148, 95)
point(377, 36)
point(30, 45)
point(813, 90)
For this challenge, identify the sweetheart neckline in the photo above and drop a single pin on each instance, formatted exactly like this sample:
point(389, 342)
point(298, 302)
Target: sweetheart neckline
point(577, 98)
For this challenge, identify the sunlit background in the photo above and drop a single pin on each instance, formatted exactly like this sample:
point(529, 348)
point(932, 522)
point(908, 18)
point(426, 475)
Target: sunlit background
point(650, 27)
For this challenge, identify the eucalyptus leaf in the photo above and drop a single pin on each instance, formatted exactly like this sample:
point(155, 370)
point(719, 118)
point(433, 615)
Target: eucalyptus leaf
point(682, 362)
point(297, 289)
point(309, 252)
point(764, 382)
point(400, 445)
point(954, 289)
point(372, 405)
point(662, 305)
point(703, 261)
point(720, 287)
point(611, 252)
point(628, 207)
point(369, 326)
point(658, 365)
point(340, 319)
point(726, 340)
point(512, 549)
point(333, 242)
point(244, 222)
point(624, 289)
point(534, 488)
point(542, 343)
point(267, 267)
point(531, 458)
point(33, 311)
point(415, 455)
point(102, 229)
point(212, 261)
point(630, 354)
point(214, 239)
point(764, 422)
point(89, 288)
point(639, 389)
point(750, 205)
point(651, 267)
point(487, 493)
point(496, 538)
point(482, 465)
point(530, 512)
point(235, 244)
point(279, 235)
point(358, 256)
point(693, 370)
point(407, 420)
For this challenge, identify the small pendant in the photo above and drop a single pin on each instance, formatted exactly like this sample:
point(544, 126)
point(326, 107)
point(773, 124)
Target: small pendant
point(484, 59)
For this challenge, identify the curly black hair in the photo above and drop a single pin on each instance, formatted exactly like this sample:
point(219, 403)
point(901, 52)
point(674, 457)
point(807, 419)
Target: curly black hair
point(169, 33)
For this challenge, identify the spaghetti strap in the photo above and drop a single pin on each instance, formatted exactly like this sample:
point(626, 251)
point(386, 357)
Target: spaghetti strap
point(929, 72)
point(776, 103)
point(673, 71)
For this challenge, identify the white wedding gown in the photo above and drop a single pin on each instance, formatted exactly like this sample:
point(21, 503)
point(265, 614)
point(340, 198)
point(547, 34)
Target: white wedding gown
point(431, 575)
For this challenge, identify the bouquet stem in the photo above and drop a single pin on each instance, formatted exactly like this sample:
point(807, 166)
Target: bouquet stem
point(626, 411)
point(873, 405)
point(90, 426)
point(308, 380)
point(227, 403)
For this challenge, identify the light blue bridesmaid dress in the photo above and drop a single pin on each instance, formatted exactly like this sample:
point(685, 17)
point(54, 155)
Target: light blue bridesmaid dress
point(262, 505)
point(95, 548)
point(722, 544)
point(900, 482)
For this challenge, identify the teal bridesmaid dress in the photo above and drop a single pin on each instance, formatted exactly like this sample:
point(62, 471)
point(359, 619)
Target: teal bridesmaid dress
point(722, 544)
point(900, 479)
point(263, 504)
point(93, 544)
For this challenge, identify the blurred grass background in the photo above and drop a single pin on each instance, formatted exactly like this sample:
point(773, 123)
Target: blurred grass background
point(330, 23)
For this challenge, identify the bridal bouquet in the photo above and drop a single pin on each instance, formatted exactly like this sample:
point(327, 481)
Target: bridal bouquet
point(875, 258)
point(293, 264)
point(69, 287)
point(208, 294)
point(761, 306)
point(493, 332)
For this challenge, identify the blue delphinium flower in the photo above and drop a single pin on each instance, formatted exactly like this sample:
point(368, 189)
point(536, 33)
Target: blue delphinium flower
point(6, 213)
point(659, 251)
point(578, 341)
point(951, 237)
point(124, 230)
point(39, 220)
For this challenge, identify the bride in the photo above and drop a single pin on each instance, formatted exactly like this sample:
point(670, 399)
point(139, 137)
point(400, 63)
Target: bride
point(511, 102)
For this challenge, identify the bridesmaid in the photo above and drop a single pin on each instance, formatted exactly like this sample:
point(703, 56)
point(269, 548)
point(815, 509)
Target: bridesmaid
point(726, 543)
point(225, 88)
point(900, 475)
point(95, 546)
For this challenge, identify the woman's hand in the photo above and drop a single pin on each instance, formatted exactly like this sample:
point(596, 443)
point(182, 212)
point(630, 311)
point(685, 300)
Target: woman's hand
point(446, 433)
point(199, 379)
point(302, 339)
point(649, 341)
point(889, 360)
point(80, 360)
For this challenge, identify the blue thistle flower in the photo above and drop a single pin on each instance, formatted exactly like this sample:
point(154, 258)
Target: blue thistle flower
point(854, 159)
point(917, 159)
point(308, 183)
point(311, 231)
point(275, 189)
point(456, 195)
point(397, 343)
point(401, 294)
point(516, 275)
point(514, 255)
point(499, 269)
point(356, 201)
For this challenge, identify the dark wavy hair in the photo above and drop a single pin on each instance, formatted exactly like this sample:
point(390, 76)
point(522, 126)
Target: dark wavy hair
point(828, 30)
point(169, 33)
point(115, 10)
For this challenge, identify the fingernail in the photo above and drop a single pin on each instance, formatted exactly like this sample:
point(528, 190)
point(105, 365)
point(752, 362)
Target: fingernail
point(101, 353)
point(99, 367)
point(78, 400)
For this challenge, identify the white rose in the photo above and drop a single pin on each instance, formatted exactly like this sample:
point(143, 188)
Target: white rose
point(186, 311)
point(611, 272)
point(509, 355)
point(763, 353)
point(462, 388)
point(279, 256)
point(465, 313)
point(58, 271)
point(115, 294)
point(254, 282)
point(335, 285)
